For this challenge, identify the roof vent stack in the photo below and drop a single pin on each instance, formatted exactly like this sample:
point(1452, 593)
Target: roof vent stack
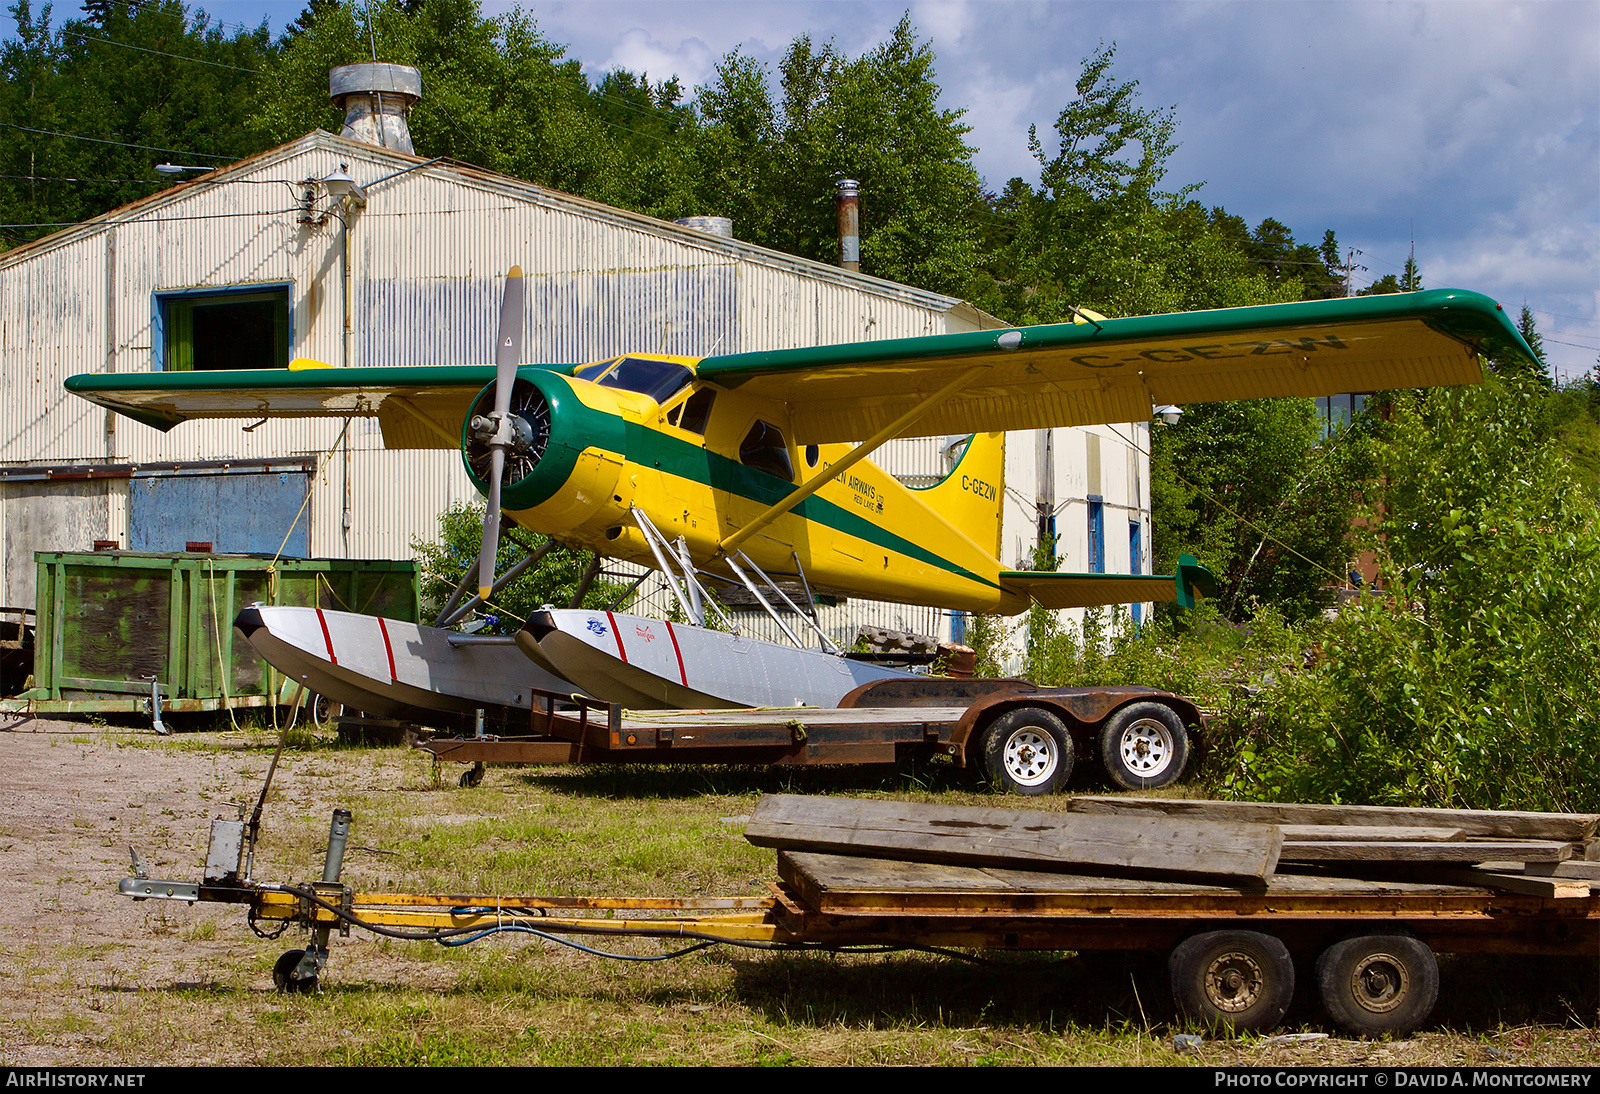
point(849, 194)
point(375, 98)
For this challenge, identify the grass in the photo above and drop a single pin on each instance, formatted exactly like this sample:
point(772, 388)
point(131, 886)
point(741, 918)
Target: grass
point(515, 1000)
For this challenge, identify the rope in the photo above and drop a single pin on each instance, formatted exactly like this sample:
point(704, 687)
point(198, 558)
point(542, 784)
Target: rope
point(216, 633)
point(272, 567)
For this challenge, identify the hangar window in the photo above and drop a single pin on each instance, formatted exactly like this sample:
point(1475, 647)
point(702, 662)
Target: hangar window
point(1335, 412)
point(232, 328)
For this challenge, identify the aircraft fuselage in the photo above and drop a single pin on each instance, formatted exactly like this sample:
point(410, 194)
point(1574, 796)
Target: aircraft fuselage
point(701, 461)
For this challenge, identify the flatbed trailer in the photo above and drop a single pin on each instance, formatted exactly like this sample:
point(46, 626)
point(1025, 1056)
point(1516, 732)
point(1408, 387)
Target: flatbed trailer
point(1027, 739)
point(1231, 949)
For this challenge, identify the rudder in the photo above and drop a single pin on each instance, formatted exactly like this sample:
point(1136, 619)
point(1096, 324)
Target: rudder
point(973, 494)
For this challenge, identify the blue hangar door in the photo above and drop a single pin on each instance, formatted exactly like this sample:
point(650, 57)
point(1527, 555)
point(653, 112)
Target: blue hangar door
point(236, 512)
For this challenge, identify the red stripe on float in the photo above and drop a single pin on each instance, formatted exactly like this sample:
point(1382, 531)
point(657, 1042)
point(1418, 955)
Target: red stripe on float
point(326, 637)
point(622, 653)
point(394, 677)
point(682, 675)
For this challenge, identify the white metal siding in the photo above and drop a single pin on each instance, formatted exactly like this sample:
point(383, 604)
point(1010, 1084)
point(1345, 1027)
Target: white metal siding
point(428, 255)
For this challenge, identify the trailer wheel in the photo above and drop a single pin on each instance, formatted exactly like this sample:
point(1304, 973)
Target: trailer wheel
point(283, 977)
point(324, 711)
point(1144, 746)
point(1378, 983)
point(1240, 981)
point(1027, 751)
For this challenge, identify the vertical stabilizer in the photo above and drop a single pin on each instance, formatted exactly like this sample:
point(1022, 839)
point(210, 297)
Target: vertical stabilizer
point(972, 495)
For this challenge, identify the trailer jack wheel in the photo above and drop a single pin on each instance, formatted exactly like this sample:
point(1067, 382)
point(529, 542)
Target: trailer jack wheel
point(1239, 981)
point(290, 976)
point(1377, 984)
point(472, 776)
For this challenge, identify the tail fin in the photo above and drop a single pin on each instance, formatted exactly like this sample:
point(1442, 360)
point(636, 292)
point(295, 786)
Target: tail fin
point(1192, 578)
point(973, 494)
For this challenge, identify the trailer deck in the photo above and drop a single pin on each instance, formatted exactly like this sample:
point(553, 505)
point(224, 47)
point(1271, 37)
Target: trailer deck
point(1026, 739)
point(1231, 946)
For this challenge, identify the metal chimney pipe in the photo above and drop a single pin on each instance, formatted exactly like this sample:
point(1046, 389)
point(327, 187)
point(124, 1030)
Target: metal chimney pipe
point(849, 191)
point(375, 98)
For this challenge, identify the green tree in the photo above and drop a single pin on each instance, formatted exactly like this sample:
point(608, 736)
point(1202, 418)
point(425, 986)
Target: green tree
point(772, 165)
point(1247, 488)
point(92, 106)
point(555, 580)
point(1411, 279)
point(498, 94)
point(1468, 681)
point(1102, 232)
point(1518, 367)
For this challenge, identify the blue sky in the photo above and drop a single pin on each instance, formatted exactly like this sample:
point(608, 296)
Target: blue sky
point(1471, 128)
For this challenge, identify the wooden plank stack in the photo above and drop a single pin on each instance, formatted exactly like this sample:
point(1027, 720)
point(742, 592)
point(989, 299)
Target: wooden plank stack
point(1229, 843)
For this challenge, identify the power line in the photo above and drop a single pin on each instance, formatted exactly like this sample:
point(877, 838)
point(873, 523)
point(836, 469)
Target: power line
point(65, 178)
point(151, 182)
point(139, 4)
point(120, 144)
point(1588, 322)
point(157, 52)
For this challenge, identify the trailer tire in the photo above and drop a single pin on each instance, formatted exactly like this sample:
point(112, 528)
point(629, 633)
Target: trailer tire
point(324, 711)
point(1375, 984)
point(283, 975)
point(1238, 981)
point(1027, 751)
point(1144, 746)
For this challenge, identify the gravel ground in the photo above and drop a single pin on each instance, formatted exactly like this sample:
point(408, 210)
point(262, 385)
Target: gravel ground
point(90, 978)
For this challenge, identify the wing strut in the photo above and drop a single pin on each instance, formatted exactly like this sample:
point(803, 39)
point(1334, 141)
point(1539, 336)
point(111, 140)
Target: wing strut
point(451, 614)
point(853, 457)
point(692, 601)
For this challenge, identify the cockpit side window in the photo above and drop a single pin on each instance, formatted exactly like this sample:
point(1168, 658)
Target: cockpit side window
point(694, 413)
point(765, 449)
point(657, 380)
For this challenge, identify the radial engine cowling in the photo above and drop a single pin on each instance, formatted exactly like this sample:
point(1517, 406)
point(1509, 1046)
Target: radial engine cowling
point(564, 458)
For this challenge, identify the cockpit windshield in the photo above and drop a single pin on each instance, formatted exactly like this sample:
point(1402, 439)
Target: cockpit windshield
point(655, 379)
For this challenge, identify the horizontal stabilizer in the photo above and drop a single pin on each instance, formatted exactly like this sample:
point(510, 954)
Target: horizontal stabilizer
point(1058, 590)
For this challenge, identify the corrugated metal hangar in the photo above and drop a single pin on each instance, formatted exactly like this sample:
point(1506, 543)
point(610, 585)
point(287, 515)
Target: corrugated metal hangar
point(241, 269)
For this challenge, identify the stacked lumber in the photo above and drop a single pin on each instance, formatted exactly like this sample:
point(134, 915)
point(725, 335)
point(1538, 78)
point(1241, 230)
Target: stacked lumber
point(1521, 852)
point(1221, 842)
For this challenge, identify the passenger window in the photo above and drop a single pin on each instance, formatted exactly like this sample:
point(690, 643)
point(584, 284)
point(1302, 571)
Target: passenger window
point(694, 412)
point(765, 449)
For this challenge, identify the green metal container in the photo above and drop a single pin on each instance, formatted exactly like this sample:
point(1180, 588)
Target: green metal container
point(110, 622)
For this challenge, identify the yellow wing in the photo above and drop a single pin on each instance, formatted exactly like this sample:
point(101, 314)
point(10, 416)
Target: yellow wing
point(1115, 370)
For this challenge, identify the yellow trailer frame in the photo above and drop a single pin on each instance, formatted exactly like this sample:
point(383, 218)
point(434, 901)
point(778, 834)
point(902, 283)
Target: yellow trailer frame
point(1229, 946)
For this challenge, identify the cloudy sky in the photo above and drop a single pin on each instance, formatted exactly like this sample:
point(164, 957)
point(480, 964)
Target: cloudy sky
point(1471, 128)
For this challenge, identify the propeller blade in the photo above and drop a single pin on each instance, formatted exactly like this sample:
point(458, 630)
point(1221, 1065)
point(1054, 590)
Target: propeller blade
point(507, 356)
point(508, 341)
point(491, 524)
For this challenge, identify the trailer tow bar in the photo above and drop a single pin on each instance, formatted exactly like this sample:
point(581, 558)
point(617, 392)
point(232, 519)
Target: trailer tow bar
point(323, 906)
